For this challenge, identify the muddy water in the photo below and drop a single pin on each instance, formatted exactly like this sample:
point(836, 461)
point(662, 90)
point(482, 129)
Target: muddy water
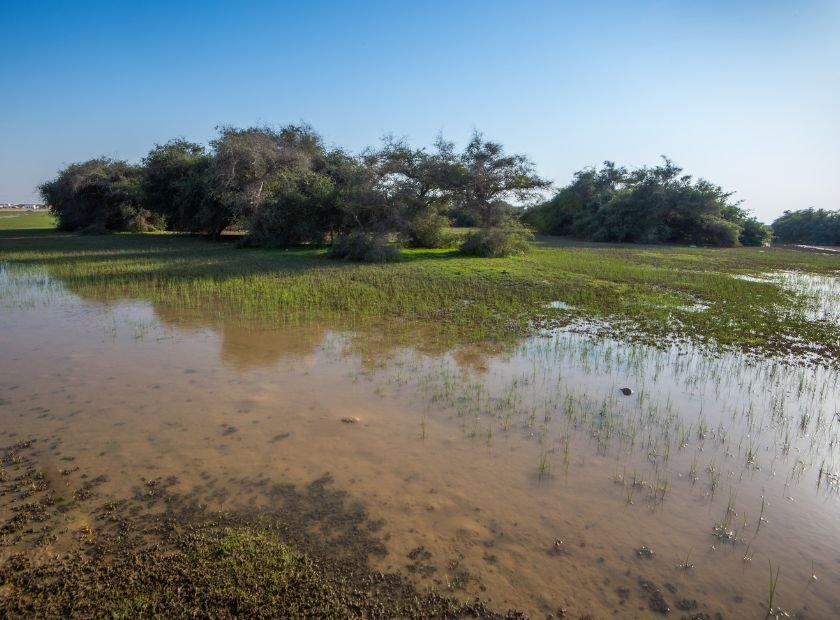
point(520, 474)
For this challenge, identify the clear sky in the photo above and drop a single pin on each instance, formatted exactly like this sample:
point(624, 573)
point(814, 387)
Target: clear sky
point(743, 93)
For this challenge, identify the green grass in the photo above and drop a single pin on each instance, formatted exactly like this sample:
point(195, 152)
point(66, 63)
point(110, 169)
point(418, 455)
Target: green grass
point(641, 292)
point(19, 219)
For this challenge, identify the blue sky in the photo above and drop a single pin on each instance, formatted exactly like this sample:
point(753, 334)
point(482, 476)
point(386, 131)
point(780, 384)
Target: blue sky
point(743, 93)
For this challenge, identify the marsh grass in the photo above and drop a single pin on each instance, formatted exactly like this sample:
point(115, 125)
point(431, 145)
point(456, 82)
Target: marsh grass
point(640, 292)
point(771, 595)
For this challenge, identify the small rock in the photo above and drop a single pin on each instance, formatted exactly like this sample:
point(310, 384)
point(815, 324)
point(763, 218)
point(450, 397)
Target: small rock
point(645, 552)
point(350, 420)
point(626, 391)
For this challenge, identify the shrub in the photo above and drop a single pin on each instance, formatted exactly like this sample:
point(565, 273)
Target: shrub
point(99, 192)
point(755, 233)
point(363, 247)
point(431, 231)
point(497, 242)
point(718, 232)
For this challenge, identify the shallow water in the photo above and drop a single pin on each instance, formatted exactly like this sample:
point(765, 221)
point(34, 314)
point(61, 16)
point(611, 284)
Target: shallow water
point(523, 471)
point(819, 295)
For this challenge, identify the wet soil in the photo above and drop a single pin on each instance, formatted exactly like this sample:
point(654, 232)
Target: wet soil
point(159, 553)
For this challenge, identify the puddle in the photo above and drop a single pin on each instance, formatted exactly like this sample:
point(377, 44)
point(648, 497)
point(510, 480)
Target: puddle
point(820, 293)
point(559, 305)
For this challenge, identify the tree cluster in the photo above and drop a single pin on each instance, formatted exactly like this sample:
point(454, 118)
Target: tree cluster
point(285, 186)
point(808, 226)
point(647, 205)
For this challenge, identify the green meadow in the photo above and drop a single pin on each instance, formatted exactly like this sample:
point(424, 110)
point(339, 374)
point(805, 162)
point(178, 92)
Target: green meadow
point(25, 219)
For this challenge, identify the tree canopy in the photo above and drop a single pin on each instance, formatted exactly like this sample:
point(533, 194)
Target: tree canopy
point(648, 205)
point(102, 194)
point(808, 226)
point(285, 186)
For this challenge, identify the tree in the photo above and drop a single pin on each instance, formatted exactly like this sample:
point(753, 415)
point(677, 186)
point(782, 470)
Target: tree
point(484, 182)
point(808, 226)
point(284, 186)
point(417, 185)
point(100, 194)
point(304, 204)
point(176, 184)
point(647, 205)
point(367, 217)
point(487, 179)
point(247, 164)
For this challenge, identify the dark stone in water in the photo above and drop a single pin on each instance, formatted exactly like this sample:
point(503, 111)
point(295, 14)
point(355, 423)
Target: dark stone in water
point(626, 391)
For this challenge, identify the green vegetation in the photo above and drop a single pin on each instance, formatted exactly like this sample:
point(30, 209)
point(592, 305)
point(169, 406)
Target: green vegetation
point(653, 294)
point(648, 205)
point(771, 595)
point(26, 220)
point(285, 187)
point(808, 226)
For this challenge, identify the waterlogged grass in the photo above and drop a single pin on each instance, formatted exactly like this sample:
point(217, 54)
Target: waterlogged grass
point(648, 293)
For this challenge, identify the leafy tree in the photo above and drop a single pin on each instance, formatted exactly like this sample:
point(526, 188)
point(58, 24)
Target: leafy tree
point(754, 232)
point(486, 179)
point(648, 205)
point(362, 204)
point(284, 186)
point(808, 226)
point(299, 208)
point(100, 194)
point(248, 163)
point(417, 185)
point(176, 184)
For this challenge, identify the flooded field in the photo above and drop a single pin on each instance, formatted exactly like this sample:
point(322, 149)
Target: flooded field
point(561, 474)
